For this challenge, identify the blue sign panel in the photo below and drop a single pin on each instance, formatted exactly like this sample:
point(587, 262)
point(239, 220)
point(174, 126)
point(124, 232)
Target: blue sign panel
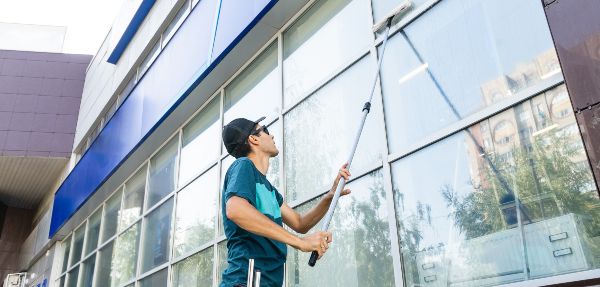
point(179, 68)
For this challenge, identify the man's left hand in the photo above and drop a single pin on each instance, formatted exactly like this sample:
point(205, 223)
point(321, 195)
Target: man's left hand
point(343, 172)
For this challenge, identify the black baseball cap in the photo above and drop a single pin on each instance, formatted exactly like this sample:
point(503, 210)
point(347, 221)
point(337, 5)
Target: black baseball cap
point(236, 133)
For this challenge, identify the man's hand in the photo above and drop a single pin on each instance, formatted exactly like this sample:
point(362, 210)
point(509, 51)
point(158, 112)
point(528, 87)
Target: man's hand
point(343, 172)
point(318, 241)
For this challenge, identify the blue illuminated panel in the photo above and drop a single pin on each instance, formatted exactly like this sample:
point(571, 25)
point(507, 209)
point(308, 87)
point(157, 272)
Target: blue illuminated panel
point(181, 66)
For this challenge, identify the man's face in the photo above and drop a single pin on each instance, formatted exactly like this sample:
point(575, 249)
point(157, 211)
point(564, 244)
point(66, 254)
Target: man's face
point(265, 141)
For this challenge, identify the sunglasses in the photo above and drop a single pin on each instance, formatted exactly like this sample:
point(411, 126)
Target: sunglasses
point(263, 129)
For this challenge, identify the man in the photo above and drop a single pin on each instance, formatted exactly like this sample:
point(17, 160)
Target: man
point(253, 210)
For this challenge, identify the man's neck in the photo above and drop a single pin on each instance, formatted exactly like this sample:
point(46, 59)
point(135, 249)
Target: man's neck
point(261, 162)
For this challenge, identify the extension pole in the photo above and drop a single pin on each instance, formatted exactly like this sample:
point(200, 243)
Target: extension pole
point(365, 111)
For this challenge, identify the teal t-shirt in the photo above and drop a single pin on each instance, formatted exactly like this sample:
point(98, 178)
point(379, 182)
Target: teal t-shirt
point(244, 180)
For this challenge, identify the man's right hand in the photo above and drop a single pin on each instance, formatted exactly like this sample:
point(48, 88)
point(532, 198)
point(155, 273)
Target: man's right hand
point(318, 241)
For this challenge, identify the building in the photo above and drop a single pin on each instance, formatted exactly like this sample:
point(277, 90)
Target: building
point(474, 167)
point(40, 95)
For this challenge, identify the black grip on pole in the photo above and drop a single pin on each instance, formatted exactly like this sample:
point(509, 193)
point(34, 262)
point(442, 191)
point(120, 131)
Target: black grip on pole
point(313, 259)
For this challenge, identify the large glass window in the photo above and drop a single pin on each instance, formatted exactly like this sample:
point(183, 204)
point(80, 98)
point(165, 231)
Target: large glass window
point(67, 250)
point(157, 279)
point(111, 216)
point(162, 173)
point(77, 245)
point(157, 236)
point(150, 57)
point(133, 198)
point(201, 142)
point(516, 209)
point(88, 271)
point(256, 91)
point(382, 8)
point(175, 23)
point(195, 271)
point(326, 37)
point(320, 131)
point(458, 58)
point(196, 211)
point(72, 277)
point(93, 232)
point(103, 274)
point(124, 263)
point(225, 164)
point(360, 254)
point(222, 253)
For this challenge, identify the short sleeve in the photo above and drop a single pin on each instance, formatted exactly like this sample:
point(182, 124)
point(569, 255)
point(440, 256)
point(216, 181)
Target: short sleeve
point(279, 197)
point(241, 181)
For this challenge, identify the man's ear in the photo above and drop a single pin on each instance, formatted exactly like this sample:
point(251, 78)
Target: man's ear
point(252, 139)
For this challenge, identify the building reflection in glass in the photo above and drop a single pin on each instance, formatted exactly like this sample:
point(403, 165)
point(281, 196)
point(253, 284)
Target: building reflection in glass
point(510, 199)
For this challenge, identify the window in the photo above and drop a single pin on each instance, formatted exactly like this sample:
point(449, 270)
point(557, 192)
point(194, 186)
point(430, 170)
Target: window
point(320, 131)
point(157, 279)
point(150, 57)
point(93, 232)
point(453, 221)
point(67, 249)
point(111, 216)
point(195, 270)
point(196, 212)
point(162, 173)
point(77, 245)
point(483, 48)
point(72, 277)
point(88, 271)
point(222, 253)
point(361, 251)
point(175, 23)
point(127, 89)
point(157, 237)
point(201, 142)
point(103, 274)
point(133, 198)
point(325, 38)
point(124, 264)
point(225, 164)
point(255, 92)
point(382, 8)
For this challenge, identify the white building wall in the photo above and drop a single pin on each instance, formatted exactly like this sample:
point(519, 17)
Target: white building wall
point(104, 80)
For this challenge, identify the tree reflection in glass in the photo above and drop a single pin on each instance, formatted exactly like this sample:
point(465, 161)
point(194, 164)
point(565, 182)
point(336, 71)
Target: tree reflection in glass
point(320, 131)
point(124, 261)
point(195, 271)
point(510, 199)
point(196, 211)
point(360, 253)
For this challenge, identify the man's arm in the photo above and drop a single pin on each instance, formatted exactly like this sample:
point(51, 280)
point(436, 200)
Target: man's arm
point(303, 223)
point(246, 216)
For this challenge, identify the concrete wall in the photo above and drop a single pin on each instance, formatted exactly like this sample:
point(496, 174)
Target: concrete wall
point(40, 95)
point(17, 225)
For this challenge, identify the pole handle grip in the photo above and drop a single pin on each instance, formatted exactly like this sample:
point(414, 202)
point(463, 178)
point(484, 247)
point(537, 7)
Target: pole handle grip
point(313, 259)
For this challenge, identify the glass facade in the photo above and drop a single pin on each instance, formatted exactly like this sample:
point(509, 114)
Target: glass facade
point(470, 170)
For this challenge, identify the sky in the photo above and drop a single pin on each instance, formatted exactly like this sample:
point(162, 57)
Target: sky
point(87, 21)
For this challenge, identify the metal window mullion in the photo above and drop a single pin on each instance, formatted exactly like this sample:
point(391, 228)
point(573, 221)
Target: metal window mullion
point(80, 274)
point(96, 268)
point(479, 116)
point(388, 188)
point(219, 175)
point(171, 240)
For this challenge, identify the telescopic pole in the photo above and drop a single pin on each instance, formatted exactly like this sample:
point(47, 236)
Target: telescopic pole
point(365, 111)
